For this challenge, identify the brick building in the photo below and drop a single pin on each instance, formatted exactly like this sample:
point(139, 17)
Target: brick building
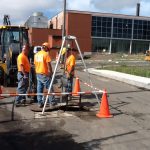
point(98, 32)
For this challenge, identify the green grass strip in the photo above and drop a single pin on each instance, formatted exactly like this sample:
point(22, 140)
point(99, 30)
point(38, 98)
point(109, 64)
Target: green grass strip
point(134, 70)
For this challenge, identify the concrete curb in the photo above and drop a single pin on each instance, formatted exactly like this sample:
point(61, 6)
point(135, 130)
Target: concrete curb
point(123, 77)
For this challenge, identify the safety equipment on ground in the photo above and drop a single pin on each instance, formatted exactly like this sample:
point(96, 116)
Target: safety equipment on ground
point(53, 77)
point(104, 107)
point(76, 87)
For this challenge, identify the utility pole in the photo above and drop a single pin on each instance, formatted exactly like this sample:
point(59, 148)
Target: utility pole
point(64, 20)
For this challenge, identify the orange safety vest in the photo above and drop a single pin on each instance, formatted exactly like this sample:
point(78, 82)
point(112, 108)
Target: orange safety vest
point(70, 64)
point(40, 60)
point(23, 60)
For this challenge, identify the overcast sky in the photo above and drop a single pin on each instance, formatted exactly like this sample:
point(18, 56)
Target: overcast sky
point(20, 10)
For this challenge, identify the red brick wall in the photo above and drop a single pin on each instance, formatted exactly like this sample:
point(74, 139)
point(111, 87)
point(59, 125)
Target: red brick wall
point(79, 25)
point(38, 36)
point(55, 41)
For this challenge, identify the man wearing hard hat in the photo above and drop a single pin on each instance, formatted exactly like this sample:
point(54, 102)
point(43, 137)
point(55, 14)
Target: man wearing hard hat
point(70, 69)
point(43, 68)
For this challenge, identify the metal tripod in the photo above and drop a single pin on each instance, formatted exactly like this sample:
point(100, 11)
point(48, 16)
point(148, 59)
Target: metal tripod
point(69, 37)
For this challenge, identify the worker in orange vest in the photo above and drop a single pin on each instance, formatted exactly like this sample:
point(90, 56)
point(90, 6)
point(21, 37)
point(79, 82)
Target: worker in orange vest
point(23, 74)
point(43, 69)
point(69, 69)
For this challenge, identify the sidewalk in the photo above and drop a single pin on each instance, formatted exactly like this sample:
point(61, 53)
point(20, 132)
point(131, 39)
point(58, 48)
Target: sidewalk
point(141, 82)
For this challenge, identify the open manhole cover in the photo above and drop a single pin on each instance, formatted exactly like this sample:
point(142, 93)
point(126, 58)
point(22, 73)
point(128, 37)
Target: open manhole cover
point(74, 108)
point(62, 106)
point(35, 108)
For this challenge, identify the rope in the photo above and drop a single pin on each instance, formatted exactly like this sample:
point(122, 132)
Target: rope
point(57, 93)
point(85, 83)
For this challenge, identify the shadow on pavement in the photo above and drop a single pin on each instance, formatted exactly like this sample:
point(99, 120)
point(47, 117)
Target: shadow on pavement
point(43, 140)
point(95, 144)
point(117, 105)
point(46, 140)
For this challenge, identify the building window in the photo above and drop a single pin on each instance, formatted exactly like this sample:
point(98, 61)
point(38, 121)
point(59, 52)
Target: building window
point(120, 34)
point(122, 28)
point(101, 26)
point(139, 46)
point(141, 29)
point(100, 45)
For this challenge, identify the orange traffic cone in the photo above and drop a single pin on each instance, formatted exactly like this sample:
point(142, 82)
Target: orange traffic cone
point(104, 107)
point(0, 92)
point(76, 87)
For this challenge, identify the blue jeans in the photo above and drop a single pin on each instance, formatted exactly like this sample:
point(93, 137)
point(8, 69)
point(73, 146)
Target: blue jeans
point(23, 83)
point(43, 81)
point(68, 88)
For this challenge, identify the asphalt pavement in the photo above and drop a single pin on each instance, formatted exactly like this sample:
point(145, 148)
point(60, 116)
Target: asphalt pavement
point(80, 129)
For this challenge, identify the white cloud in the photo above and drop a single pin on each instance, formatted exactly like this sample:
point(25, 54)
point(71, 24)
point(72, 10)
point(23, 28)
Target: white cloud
point(79, 4)
point(20, 10)
point(114, 5)
point(145, 8)
point(122, 6)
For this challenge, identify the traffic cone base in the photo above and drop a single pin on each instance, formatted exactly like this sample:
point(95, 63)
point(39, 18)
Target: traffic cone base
point(104, 107)
point(104, 116)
